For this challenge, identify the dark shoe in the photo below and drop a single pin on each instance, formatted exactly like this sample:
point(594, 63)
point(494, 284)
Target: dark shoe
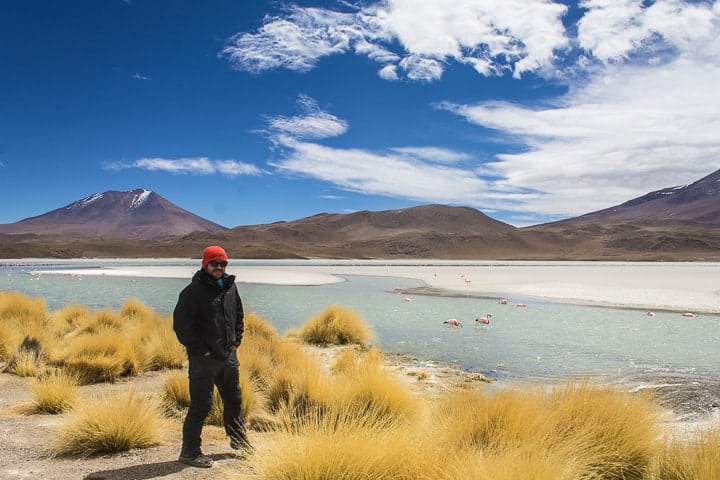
point(241, 443)
point(199, 460)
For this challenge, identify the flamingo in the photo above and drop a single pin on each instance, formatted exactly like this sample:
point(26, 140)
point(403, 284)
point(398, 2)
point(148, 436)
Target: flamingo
point(650, 314)
point(688, 314)
point(453, 322)
point(521, 305)
point(503, 301)
point(407, 299)
point(483, 320)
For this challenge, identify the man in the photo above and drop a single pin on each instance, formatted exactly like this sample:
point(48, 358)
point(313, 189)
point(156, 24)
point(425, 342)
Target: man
point(208, 321)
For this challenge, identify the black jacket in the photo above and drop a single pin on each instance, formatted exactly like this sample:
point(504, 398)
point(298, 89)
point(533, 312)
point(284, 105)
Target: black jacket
point(209, 318)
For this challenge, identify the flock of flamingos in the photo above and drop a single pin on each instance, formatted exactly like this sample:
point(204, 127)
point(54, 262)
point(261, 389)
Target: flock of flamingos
point(485, 320)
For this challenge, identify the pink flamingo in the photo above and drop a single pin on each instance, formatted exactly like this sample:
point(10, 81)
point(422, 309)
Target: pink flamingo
point(650, 314)
point(521, 305)
point(483, 320)
point(453, 322)
point(503, 301)
point(407, 299)
point(688, 314)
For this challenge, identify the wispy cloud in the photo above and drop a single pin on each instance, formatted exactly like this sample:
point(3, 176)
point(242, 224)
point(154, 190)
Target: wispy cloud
point(432, 154)
point(428, 174)
point(312, 124)
point(388, 174)
point(409, 38)
point(195, 166)
point(137, 76)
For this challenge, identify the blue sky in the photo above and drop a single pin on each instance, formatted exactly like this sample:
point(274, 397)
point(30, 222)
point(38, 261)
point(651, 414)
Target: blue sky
point(255, 112)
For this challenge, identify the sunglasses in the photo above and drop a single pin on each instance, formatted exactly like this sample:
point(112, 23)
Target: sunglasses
point(218, 264)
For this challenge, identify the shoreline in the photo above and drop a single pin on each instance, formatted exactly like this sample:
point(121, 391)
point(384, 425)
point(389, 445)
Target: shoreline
point(682, 287)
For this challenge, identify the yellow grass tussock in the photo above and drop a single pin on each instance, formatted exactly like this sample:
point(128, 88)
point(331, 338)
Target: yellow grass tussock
point(614, 433)
point(336, 326)
point(367, 385)
point(175, 394)
point(112, 423)
point(55, 392)
point(101, 357)
point(256, 326)
point(492, 422)
point(25, 363)
point(134, 309)
point(697, 458)
point(162, 350)
point(588, 430)
point(19, 308)
point(350, 444)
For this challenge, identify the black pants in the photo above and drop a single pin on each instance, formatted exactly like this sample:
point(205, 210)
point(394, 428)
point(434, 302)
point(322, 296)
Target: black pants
point(205, 373)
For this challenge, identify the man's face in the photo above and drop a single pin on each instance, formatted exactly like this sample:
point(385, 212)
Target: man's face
point(215, 269)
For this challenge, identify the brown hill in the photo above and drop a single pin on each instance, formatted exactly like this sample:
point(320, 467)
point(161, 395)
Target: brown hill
point(677, 222)
point(427, 231)
point(136, 214)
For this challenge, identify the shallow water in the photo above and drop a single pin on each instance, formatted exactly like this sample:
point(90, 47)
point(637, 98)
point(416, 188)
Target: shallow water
point(544, 341)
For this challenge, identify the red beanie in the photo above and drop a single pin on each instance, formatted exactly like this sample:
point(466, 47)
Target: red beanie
point(213, 252)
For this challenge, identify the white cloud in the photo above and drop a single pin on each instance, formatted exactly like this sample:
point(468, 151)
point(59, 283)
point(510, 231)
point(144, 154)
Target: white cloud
point(517, 34)
point(313, 124)
point(388, 174)
point(294, 42)
point(616, 29)
point(388, 72)
point(492, 36)
point(137, 76)
point(421, 68)
point(624, 134)
point(432, 154)
point(196, 166)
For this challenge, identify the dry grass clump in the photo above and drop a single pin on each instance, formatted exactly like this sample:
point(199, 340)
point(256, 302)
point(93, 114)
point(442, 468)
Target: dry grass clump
point(592, 431)
point(257, 327)
point(175, 393)
point(295, 385)
point(363, 383)
point(113, 423)
point(69, 318)
point(336, 326)
point(55, 392)
point(94, 347)
point(21, 327)
point(348, 445)
point(100, 357)
point(612, 432)
point(19, 308)
point(697, 458)
point(162, 350)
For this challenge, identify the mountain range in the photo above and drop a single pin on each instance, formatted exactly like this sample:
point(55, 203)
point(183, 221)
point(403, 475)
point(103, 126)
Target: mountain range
point(675, 223)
